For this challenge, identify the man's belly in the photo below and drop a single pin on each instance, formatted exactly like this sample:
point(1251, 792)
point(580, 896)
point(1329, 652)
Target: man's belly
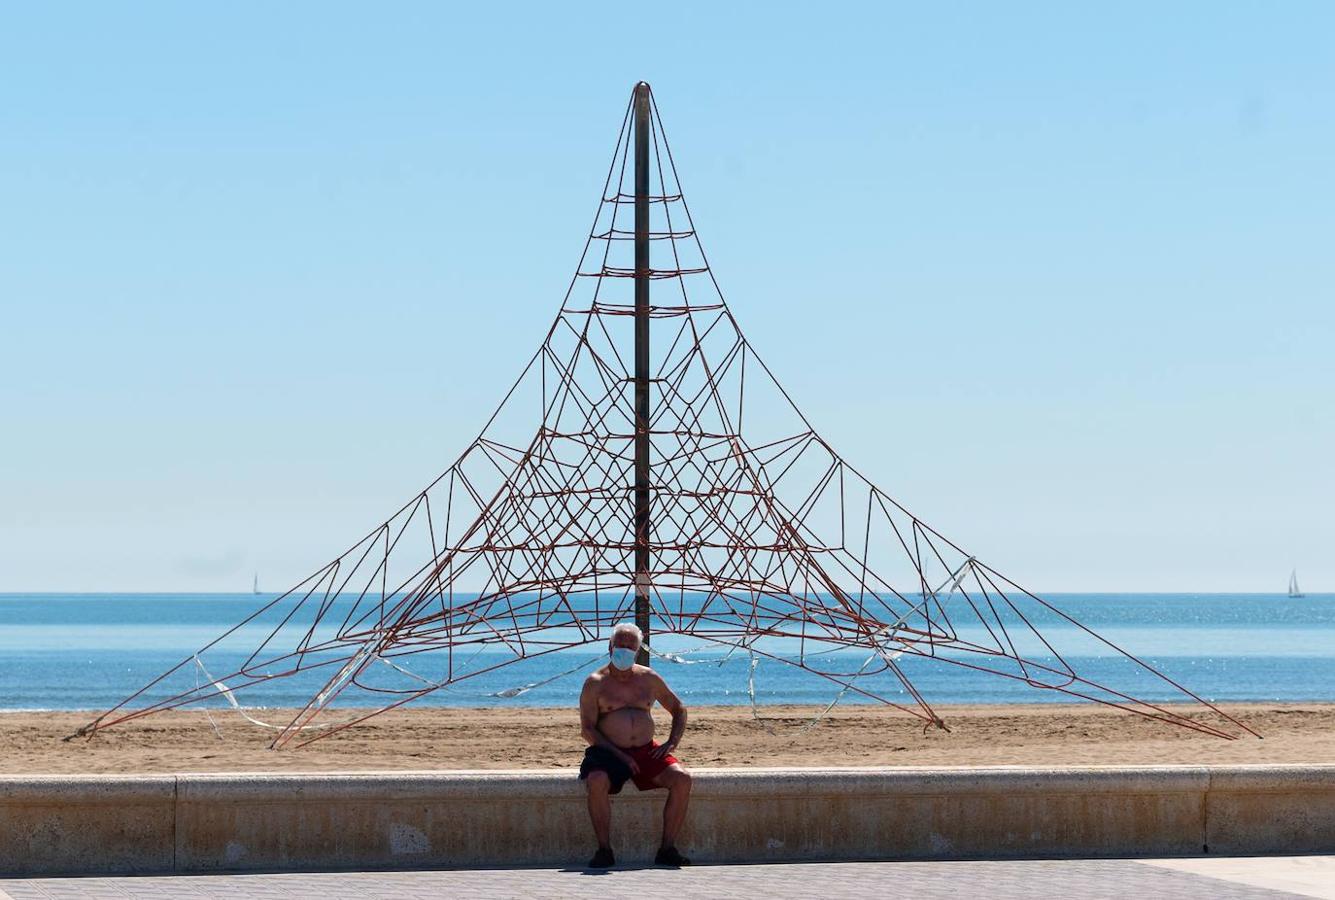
point(628, 727)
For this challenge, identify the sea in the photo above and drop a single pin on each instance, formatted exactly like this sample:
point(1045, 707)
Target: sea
point(91, 651)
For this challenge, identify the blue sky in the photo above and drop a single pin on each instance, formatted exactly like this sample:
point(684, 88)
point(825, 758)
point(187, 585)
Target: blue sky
point(1058, 278)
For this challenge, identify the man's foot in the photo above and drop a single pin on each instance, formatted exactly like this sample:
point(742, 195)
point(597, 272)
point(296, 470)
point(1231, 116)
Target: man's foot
point(670, 856)
point(603, 859)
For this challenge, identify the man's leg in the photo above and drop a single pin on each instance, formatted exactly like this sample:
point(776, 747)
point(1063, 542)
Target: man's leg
point(600, 806)
point(678, 783)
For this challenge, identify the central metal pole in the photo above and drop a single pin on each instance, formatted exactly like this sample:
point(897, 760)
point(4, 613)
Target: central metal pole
point(643, 526)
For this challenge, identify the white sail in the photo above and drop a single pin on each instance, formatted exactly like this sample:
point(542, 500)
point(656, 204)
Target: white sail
point(1294, 590)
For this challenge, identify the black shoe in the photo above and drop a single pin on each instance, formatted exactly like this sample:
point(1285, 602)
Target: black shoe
point(670, 856)
point(603, 859)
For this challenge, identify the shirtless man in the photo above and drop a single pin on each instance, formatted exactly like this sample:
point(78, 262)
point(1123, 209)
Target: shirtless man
point(614, 718)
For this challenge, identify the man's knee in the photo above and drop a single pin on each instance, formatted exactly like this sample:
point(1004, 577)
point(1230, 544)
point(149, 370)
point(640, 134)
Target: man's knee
point(597, 782)
point(678, 778)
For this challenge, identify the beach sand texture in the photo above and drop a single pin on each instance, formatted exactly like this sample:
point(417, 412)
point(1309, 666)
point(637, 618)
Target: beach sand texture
point(519, 738)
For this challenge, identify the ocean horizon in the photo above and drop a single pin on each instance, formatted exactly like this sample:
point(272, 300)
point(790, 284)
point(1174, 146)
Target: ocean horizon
point(89, 651)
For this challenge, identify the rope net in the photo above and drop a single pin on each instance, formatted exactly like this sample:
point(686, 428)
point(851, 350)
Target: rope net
point(764, 542)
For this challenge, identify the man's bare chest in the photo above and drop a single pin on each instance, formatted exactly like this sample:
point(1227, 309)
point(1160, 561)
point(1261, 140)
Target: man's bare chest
point(636, 695)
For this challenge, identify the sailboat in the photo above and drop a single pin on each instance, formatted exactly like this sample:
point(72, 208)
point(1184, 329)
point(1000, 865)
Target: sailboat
point(255, 585)
point(1294, 590)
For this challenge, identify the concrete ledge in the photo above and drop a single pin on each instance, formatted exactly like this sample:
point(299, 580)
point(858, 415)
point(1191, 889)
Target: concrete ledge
point(1271, 809)
point(208, 823)
point(89, 823)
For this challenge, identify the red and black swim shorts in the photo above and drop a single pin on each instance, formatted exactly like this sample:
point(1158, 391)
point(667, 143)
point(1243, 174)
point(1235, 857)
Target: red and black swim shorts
point(601, 759)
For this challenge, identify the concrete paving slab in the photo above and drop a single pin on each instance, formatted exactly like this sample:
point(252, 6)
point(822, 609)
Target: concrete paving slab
point(995, 880)
point(1307, 876)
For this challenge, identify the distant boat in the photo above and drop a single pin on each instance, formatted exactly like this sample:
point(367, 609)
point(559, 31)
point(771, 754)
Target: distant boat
point(1294, 590)
point(255, 585)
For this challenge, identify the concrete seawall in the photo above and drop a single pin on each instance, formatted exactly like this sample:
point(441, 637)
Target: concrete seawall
point(237, 822)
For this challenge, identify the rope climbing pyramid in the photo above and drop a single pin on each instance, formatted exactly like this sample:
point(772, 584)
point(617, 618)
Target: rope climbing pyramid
point(669, 481)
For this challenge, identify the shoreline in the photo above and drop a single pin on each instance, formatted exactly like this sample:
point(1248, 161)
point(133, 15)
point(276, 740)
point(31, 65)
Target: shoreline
point(544, 738)
point(846, 703)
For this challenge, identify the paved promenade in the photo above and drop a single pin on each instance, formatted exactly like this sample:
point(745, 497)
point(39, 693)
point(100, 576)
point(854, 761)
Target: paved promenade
point(1260, 878)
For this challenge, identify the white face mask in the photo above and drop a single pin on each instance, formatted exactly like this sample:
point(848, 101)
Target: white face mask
point(623, 657)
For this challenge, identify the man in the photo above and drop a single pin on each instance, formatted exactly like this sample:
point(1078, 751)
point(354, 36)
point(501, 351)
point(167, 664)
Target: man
point(615, 720)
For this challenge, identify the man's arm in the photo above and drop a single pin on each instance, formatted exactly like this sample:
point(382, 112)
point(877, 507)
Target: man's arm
point(672, 703)
point(588, 724)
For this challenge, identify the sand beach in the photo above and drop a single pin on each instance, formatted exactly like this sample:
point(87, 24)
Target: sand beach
point(546, 738)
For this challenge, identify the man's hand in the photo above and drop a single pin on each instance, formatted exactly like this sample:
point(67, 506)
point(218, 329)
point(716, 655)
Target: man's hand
point(630, 761)
point(663, 750)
